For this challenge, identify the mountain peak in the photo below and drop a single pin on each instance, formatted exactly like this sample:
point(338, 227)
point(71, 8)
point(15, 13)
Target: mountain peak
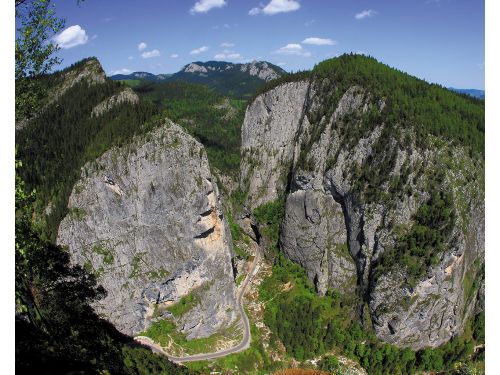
point(260, 69)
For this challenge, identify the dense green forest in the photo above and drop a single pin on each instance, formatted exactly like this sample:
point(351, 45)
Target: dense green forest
point(428, 108)
point(207, 115)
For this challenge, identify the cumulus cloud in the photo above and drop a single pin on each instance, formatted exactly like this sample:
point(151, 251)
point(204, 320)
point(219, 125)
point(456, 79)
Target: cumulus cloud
point(121, 71)
point(71, 37)
point(254, 11)
point(149, 54)
point(142, 46)
point(275, 7)
point(203, 6)
point(227, 45)
point(174, 55)
point(293, 49)
point(365, 14)
point(226, 55)
point(197, 51)
point(319, 41)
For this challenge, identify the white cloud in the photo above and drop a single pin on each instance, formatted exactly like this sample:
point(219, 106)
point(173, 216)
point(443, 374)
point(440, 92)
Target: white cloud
point(293, 49)
point(226, 55)
point(174, 55)
point(275, 7)
point(254, 11)
point(309, 23)
point(149, 54)
point(199, 50)
point(71, 37)
point(142, 46)
point(203, 6)
point(131, 57)
point(281, 64)
point(319, 41)
point(365, 14)
point(227, 45)
point(121, 71)
point(94, 37)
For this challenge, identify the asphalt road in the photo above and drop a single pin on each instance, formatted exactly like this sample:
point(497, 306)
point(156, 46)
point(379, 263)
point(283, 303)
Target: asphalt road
point(245, 342)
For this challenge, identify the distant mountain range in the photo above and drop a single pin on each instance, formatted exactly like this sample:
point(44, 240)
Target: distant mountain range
point(472, 92)
point(237, 80)
point(140, 76)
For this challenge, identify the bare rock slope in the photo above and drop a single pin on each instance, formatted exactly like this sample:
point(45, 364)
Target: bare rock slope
point(146, 219)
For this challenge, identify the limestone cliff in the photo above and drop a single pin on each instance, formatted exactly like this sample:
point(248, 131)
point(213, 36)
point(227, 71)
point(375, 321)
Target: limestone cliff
point(300, 145)
point(145, 218)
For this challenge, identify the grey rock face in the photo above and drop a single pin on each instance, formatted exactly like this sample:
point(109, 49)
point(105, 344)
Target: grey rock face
point(261, 70)
point(338, 234)
point(271, 123)
point(146, 219)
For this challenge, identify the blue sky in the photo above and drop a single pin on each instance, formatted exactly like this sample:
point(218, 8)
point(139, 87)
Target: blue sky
point(441, 41)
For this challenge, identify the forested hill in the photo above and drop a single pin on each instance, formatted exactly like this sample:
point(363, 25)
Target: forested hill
point(431, 108)
point(480, 94)
point(84, 115)
point(239, 81)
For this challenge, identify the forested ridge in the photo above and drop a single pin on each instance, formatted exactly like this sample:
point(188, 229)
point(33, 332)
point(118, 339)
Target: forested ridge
point(428, 108)
point(63, 136)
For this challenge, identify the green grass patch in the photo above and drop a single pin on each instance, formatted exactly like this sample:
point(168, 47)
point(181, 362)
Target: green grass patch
point(77, 213)
point(159, 274)
point(165, 332)
point(136, 265)
point(185, 304)
point(239, 279)
point(130, 82)
point(106, 253)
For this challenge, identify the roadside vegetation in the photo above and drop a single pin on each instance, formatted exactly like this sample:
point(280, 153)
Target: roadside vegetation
point(166, 333)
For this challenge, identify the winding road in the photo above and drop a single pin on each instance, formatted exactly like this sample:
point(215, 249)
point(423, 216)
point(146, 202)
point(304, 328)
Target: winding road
point(245, 342)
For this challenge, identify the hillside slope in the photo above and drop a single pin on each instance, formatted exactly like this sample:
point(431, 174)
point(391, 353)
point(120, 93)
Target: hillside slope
point(383, 181)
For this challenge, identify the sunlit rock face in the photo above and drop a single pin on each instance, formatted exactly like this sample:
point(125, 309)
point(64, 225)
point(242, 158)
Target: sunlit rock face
point(145, 218)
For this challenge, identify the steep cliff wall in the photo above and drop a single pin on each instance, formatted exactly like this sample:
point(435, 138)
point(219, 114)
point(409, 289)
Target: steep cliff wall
point(145, 218)
point(357, 190)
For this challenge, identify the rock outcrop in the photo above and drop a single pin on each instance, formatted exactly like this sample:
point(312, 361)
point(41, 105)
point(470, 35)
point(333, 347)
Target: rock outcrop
point(127, 95)
point(145, 218)
point(337, 226)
